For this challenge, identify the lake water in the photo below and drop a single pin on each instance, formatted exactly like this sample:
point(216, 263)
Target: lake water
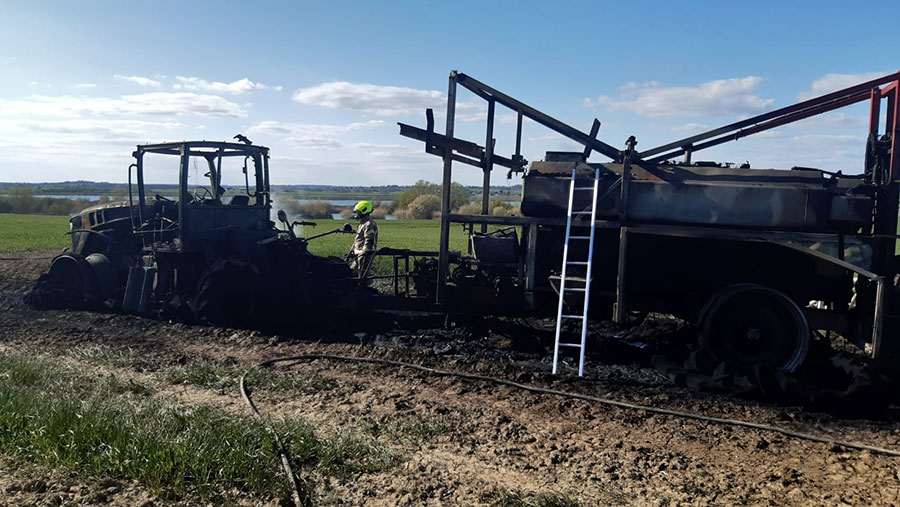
point(338, 202)
point(337, 216)
point(59, 196)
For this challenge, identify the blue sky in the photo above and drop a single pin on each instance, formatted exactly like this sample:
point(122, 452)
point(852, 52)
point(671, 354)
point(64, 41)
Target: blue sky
point(324, 83)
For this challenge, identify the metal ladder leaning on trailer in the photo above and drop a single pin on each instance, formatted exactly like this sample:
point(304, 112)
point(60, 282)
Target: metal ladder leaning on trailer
point(564, 290)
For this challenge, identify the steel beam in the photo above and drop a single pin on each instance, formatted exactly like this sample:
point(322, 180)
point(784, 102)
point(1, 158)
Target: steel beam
point(874, 111)
point(530, 261)
point(863, 88)
point(595, 128)
point(488, 163)
point(481, 89)
point(619, 310)
point(770, 124)
point(444, 257)
point(894, 114)
point(437, 144)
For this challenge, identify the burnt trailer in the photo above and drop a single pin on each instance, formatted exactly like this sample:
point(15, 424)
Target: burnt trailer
point(757, 259)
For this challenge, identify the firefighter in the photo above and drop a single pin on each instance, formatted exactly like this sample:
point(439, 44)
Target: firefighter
point(363, 251)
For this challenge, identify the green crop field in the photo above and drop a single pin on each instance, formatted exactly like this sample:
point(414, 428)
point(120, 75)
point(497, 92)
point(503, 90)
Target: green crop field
point(46, 232)
point(410, 234)
point(33, 232)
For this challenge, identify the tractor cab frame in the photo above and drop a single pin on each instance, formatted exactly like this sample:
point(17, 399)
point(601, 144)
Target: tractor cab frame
point(206, 216)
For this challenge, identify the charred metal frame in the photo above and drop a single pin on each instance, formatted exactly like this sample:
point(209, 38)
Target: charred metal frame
point(209, 150)
point(451, 149)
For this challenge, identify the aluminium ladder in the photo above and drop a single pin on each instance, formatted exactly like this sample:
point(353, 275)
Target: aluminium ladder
point(564, 290)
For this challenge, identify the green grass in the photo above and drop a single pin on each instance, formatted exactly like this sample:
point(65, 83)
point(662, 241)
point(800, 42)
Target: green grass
point(106, 355)
point(409, 234)
point(33, 232)
point(421, 235)
point(58, 414)
point(44, 232)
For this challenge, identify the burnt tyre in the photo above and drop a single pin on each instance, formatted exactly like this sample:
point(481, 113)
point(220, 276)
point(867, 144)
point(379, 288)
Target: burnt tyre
point(226, 294)
point(66, 285)
point(751, 327)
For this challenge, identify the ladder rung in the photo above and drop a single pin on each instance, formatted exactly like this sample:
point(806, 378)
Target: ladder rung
point(580, 263)
point(581, 212)
point(572, 316)
point(579, 237)
point(576, 345)
point(584, 188)
point(575, 289)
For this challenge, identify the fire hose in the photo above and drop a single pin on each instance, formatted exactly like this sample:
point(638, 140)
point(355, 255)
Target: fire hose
point(285, 461)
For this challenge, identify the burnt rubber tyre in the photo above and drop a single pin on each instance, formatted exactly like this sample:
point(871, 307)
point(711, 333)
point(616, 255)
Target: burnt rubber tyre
point(751, 327)
point(66, 285)
point(226, 294)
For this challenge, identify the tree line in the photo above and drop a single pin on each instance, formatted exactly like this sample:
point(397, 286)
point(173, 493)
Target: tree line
point(421, 201)
point(21, 199)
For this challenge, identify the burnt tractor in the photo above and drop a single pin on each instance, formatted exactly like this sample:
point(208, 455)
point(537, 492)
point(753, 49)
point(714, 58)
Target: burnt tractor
point(210, 253)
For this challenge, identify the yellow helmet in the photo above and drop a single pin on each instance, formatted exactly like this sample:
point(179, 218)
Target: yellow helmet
point(362, 209)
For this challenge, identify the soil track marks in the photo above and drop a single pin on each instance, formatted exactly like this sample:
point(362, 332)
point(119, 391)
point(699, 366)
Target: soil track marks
point(476, 443)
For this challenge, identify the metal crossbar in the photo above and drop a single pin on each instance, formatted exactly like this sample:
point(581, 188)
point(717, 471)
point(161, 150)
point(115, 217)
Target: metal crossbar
point(586, 290)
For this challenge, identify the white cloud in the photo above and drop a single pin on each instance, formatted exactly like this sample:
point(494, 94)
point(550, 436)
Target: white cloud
point(824, 140)
point(552, 136)
point(831, 152)
point(723, 97)
point(142, 81)
point(156, 103)
point(85, 85)
point(128, 129)
point(373, 99)
point(690, 127)
point(588, 103)
point(307, 135)
point(833, 82)
point(833, 120)
point(234, 88)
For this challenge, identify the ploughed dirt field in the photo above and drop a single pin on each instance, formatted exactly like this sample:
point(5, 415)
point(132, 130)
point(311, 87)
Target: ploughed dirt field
point(466, 442)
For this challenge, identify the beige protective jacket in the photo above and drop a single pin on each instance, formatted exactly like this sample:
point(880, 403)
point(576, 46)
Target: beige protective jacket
point(366, 238)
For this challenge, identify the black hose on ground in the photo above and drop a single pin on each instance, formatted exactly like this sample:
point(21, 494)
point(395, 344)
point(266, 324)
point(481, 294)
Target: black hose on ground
point(282, 452)
point(541, 390)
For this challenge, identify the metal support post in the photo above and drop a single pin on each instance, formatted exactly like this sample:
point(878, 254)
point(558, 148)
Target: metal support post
point(444, 253)
point(619, 310)
point(878, 324)
point(626, 180)
point(518, 134)
point(488, 164)
point(894, 114)
point(530, 257)
point(875, 111)
point(396, 276)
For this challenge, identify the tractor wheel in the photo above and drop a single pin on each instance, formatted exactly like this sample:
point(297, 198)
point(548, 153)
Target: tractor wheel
point(750, 327)
point(66, 285)
point(226, 294)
